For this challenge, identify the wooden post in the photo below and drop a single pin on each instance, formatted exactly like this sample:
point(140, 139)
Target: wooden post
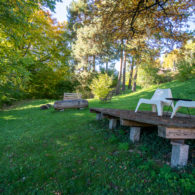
point(112, 123)
point(179, 155)
point(99, 116)
point(135, 134)
point(153, 108)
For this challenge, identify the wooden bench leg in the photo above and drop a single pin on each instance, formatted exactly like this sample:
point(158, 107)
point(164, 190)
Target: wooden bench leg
point(99, 116)
point(135, 134)
point(179, 155)
point(112, 123)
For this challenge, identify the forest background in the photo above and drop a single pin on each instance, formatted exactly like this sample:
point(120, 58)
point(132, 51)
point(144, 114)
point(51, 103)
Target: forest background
point(43, 58)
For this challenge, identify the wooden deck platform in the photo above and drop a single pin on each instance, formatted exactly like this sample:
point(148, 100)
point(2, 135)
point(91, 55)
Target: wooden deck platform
point(148, 118)
point(178, 129)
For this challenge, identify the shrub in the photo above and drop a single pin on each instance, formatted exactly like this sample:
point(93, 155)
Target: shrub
point(186, 70)
point(63, 86)
point(148, 75)
point(10, 93)
point(47, 83)
point(101, 86)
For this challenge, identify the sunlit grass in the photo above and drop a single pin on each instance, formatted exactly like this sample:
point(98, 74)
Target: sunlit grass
point(50, 152)
point(9, 117)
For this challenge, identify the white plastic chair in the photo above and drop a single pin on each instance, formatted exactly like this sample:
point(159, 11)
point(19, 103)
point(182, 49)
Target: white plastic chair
point(180, 103)
point(158, 100)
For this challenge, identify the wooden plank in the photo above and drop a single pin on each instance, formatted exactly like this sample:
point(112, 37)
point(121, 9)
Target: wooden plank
point(177, 141)
point(133, 123)
point(110, 117)
point(176, 133)
point(149, 117)
point(93, 111)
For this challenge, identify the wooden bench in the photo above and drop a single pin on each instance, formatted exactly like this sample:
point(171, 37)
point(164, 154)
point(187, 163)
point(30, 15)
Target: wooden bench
point(72, 96)
point(71, 100)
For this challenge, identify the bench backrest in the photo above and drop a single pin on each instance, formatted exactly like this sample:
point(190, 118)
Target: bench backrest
point(72, 96)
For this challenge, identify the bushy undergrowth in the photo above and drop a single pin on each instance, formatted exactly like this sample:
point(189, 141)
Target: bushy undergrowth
point(186, 70)
point(10, 94)
point(152, 162)
point(101, 86)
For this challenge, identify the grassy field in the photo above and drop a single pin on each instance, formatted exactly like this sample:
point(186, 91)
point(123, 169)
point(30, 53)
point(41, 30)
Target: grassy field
point(50, 152)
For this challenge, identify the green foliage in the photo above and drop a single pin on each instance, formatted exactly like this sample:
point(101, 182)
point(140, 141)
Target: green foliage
point(186, 70)
point(147, 75)
point(84, 80)
point(100, 86)
point(123, 146)
point(112, 139)
point(34, 56)
point(112, 73)
point(188, 183)
point(47, 83)
point(15, 13)
point(63, 86)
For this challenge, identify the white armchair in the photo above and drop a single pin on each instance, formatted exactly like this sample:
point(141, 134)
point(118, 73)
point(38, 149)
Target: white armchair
point(158, 100)
point(180, 103)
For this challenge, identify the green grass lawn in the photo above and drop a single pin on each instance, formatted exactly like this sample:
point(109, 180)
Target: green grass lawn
point(50, 152)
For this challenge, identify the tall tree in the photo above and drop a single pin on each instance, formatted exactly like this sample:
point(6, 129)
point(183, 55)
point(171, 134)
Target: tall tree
point(131, 73)
point(124, 68)
point(133, 18)
point(42, 48)
point(118, 87)
point(135, 79)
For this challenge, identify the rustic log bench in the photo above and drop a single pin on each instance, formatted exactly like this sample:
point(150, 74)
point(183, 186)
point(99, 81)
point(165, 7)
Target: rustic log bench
point(65, 104)
point(71, 100)
point(177, 130)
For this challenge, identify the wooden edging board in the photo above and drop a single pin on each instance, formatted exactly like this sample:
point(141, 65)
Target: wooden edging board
point(176, 133)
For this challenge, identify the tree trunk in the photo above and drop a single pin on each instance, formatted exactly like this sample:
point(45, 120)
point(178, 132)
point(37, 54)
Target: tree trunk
point(120, 71)
point(85, 63)
point(93, 63)
point(107, 67)
point(131, 73)
point(124, 70)
point(135, 79)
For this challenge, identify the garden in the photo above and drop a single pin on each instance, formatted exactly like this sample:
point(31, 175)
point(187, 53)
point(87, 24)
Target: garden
point(111, 55)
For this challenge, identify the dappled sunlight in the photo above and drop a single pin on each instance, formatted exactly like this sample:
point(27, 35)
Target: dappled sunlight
point(27, 107)
point(79, 114)
point(31, 106)
point(10, 117)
